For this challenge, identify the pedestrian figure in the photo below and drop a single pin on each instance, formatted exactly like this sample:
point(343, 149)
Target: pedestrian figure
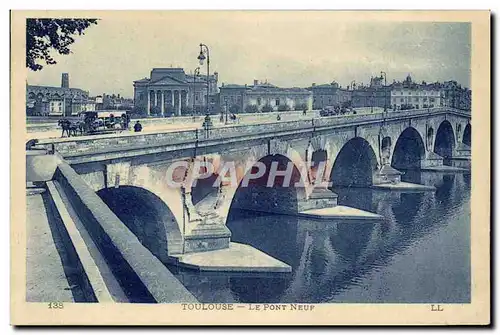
point(304, 112)
point(125, 121)
point(138, 127)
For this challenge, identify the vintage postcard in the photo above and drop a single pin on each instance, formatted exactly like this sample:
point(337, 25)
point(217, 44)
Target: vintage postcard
point(250, 168)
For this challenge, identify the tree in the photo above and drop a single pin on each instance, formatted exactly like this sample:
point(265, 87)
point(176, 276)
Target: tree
point(155, 110)
point(186, 110)
point(300, 106)
point(251, 109)
point(43, 35)
point(138, 111)
point(267, 108)
point(234, 109)
point(283, 108)
point(347, 104)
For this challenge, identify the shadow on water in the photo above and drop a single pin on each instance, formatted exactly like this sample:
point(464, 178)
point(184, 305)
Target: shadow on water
point(330, 259)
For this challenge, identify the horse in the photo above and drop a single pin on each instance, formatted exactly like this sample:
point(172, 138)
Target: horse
point(71, 128)
point(65, 125)
point(79, 126)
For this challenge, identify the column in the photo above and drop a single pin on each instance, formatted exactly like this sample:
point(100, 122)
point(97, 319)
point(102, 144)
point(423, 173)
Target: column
point(172, 101)
point(187, 98)
point(149, 102)
point(156, 98)
point(162, 103)
point(179, 102)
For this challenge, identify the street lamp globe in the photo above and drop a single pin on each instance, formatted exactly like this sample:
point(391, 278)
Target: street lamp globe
point(201, 57)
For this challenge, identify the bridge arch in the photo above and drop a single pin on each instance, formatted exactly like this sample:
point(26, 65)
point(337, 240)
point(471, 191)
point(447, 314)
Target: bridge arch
point(355, 164)
point(466, 139)
point(279, 195)
point(409, 150)
point(444, 144)
point(147, 216)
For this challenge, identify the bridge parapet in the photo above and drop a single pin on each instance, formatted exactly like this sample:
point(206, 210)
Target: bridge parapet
point(89, 144)
point(75, 146)
point(151, 280)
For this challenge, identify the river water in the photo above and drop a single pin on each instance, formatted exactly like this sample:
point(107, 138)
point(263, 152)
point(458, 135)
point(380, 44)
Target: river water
point(419, 252)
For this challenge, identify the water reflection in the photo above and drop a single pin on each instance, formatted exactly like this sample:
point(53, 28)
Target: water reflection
point(332, 260)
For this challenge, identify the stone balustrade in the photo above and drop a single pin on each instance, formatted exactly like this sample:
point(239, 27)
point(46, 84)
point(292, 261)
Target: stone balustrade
point(125, 141)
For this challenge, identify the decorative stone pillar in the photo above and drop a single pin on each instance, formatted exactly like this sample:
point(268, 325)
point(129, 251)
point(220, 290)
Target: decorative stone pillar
point(156, 98)
point(209, 231)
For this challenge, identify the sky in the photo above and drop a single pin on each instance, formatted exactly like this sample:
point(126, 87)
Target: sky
point(287, 49)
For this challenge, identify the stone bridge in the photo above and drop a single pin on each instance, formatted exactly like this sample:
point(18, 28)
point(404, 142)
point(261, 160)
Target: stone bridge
point(131, 170)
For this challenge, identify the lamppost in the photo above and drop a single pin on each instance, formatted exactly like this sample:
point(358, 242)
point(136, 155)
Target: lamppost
point(372, 100)
point(201, 57)
point(227, 111)
point(196, 74)
point(382, 73)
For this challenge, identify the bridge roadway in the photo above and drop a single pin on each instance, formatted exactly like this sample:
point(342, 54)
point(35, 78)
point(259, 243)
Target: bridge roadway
point(49, 128)
point(83, 167)
point(119, 145)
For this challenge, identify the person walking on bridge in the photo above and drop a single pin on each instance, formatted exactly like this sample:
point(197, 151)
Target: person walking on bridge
point(137, 127)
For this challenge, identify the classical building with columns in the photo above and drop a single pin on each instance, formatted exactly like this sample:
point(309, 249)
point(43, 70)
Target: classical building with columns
point(170, 91)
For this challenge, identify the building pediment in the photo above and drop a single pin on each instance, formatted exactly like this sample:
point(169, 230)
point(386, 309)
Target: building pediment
point(168, 81)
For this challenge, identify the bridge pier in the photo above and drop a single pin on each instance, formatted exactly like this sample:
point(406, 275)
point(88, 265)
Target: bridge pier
point(386, 175)
point(212, 234)
point(431, 160)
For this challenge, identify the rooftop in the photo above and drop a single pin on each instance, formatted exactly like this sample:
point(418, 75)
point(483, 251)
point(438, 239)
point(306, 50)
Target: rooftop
point(264, 88)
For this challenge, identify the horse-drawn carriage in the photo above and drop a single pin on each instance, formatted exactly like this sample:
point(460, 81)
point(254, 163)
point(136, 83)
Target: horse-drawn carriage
point(95, 122)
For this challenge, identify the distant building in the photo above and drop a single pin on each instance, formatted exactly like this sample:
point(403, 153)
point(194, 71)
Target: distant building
point(456, 96)
point(113, 101)
point(56, 101)
point(408, 94)
point(329, 95)
point(171, 91)
point(263, 97)
point(90, 105)
point(375, 95)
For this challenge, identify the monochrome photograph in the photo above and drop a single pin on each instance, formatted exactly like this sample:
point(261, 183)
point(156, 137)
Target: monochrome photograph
point(207, 165)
